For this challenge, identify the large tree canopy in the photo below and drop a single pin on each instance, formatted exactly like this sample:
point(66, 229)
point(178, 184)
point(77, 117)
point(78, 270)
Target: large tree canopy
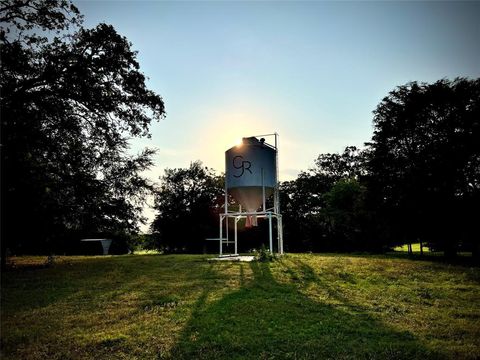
point(323, 208)
point(425, 161)
point(348, 165)
point(188, 203)
point(70, 101)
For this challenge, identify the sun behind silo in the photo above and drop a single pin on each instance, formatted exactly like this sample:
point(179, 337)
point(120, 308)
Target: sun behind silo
point(251, 174)
point(251, 177)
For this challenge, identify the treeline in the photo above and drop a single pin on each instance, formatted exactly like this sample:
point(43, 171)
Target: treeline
point(71, 98)
point(417, 180)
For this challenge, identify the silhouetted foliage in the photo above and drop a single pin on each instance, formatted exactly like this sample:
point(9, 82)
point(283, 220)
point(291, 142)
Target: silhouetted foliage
point(188, 203)
point(344, 207)
point(319, 212)
point(301, 202)
point(424, 163)
point(418, 179)
point(70, 100)
point(348, 165)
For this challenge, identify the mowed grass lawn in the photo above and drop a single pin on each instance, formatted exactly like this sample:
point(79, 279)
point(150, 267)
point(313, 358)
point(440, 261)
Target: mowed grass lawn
point(182, 306)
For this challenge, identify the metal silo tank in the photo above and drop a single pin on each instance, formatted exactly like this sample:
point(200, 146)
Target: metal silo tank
point(250, 170)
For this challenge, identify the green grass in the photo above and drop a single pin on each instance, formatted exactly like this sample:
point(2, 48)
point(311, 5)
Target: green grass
point(415, 248)
point(181, 306)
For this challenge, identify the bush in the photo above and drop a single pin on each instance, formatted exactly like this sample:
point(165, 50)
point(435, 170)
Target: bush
point(264, 255)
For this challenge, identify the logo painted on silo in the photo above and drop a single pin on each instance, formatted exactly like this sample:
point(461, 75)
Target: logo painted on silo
point(244, 165)
point(252, 164)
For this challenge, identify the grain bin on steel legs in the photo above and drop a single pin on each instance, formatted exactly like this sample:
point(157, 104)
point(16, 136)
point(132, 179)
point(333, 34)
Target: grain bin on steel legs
point(251, 177)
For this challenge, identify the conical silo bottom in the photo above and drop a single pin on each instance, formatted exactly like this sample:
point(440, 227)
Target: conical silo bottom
point(250, 197)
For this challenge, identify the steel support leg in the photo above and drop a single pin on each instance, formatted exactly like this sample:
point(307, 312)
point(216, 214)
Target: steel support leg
point(270, 231)
point(221, 233)
point(236, 248)
point(280, 234)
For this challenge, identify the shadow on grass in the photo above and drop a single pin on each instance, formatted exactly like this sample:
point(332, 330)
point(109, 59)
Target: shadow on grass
point(266, 318)
point(106, 307)
point(92, 283)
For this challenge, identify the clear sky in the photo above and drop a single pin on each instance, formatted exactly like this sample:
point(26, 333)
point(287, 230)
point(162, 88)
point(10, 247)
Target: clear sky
point(311, 71)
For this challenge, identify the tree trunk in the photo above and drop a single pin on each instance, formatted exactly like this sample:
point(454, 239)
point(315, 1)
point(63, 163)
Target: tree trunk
point(476, 252)
point(4, 261)
point(3, 218)
point(450, 250)
point(421, 247)
point(3, 249)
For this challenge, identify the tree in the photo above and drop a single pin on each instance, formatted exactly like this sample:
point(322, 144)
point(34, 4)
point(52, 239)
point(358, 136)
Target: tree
point(303, 200)
point(424, 162)
point(348, 221)
point(70, 100)
point(301, 203)
point(348, 165)
point(188, 203)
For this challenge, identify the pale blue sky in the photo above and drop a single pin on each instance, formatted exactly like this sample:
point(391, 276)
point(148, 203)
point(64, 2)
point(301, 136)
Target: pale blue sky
point(312, 71)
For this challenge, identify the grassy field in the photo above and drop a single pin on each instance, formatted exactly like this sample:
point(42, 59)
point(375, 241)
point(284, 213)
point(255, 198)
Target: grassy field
point(181, 306)
point(415, 248)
